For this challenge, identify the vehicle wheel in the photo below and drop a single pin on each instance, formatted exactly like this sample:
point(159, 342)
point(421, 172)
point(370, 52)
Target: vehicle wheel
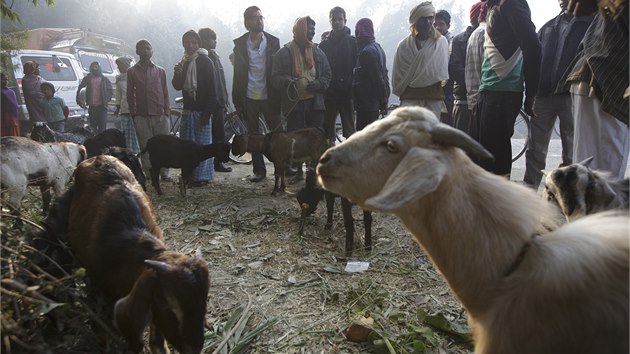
point(520, 137)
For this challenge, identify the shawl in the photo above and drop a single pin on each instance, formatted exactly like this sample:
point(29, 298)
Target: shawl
point(422, 67)
point(190, 79)
point(301, 40)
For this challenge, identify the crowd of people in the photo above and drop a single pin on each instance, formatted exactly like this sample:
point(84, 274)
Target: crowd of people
point(574, 68)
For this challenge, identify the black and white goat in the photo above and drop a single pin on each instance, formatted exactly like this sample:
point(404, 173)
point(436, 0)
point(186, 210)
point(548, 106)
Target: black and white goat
point(578, 191)
point(41, 132)
point(309, 197)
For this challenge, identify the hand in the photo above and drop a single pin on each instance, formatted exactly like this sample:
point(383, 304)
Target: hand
point(117, 111)
point(528, 106)
point(82, 105)
point(312, 86)
point(383, 109)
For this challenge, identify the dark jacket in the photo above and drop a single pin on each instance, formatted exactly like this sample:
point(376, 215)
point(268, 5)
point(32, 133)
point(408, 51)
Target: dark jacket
point(457, 64)
point(206, 99)
point(222, 94)
point(107, 92)
point(241, 70)
point(282, 74)
point(558, 51)
point(371, 83)
point(341, 51)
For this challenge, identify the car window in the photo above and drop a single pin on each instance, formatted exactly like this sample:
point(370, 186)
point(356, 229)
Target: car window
point(87, 58)
point(53, 68)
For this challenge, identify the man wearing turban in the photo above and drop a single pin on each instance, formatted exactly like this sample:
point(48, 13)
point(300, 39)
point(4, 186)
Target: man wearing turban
point(421, 62)
point(302, 74)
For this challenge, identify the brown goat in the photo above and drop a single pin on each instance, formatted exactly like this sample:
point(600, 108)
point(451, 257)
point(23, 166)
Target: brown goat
point(113, 231)
point(283, 149)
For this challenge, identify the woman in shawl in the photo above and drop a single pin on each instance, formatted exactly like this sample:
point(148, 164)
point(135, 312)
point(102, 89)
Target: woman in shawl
point(10, 123)
point(31, 87)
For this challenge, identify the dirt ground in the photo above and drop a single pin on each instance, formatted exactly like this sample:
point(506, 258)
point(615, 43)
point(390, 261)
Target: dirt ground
point(296, 287)
point(256, 257)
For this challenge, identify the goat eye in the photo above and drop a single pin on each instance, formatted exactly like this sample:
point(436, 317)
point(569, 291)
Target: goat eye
point(391, 146)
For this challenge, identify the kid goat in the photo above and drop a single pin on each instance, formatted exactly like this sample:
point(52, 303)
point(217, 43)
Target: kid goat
point(525, 290)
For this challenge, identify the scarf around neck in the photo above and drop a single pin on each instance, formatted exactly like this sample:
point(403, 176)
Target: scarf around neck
point(301, 40)
point(190, 79)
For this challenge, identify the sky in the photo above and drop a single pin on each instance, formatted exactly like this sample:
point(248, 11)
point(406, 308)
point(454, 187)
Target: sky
point(276, 11)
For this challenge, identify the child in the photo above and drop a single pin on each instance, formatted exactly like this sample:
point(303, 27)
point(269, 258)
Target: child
point(55, 109)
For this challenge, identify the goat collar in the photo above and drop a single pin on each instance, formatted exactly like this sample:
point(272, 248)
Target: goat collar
point(520, 256)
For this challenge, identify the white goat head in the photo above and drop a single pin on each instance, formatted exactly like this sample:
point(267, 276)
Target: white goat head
point(395, 160)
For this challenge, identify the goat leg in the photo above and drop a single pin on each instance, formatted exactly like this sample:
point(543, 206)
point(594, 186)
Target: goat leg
point(46, 198)
point(155, 178)
point(348, 222)
point(330, 208)
point(367, 223)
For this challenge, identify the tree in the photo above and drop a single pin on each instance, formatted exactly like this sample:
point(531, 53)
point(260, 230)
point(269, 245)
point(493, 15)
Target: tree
point(9, 14)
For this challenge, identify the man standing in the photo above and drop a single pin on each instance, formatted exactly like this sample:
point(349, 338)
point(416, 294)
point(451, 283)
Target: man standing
point(147, 97)
point(195, 76)
point(560, 38)
point(456, 72)
point(122, 108)
point(421, 62)
point(302, 73)
point(511, 52)
point(442, 23)
point(341, 50)
point(598, 82)
point(252, 92)
point(209, 43)
point(98, 92)
point(370, 81)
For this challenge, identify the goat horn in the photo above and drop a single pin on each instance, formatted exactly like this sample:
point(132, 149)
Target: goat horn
point(157, 265)
point(445, 135)
point(587, 161)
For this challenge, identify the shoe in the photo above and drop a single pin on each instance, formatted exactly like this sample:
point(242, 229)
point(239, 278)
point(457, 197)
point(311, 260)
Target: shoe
point(297, 178)
point(257, 177)
point(220, 167)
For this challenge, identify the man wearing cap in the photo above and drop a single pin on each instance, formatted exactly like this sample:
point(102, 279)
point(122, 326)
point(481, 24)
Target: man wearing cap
point(421, 62)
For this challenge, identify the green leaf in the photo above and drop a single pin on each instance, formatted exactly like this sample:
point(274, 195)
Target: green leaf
point(439, 322)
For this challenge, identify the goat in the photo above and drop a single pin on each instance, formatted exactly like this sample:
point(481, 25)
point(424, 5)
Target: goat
point(173, 152)
point(103, 140)
point(577, 190)
point(130, 160)
point(41, 132)
point(26, 162)
point(283, 149)
point(309, 197)
point(112, 229)
point(526, 290)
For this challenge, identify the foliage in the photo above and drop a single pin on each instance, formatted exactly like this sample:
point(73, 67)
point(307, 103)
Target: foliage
point(394, 331)
point(233, 336)
point(9, 14)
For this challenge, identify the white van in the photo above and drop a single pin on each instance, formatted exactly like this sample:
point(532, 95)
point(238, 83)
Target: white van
point(60, 69)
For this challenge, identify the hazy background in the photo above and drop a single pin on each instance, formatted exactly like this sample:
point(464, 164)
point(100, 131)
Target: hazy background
point(163, 22)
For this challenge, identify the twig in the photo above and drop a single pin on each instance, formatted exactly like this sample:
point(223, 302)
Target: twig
point(48, 275)
point(32, 223)
point(97, 319)
point(22, 296)
point(15, 285)
point(237, 325)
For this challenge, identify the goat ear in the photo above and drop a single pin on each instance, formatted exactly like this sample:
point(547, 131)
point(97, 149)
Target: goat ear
point(132, 313)
point(415, 176)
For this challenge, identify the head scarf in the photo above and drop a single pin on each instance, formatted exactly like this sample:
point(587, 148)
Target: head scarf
point(364, 29)
point(124, 61)
point(99, 71)
point(475, 10)
point(29, 67)
point(424, 9)
point(301, 40)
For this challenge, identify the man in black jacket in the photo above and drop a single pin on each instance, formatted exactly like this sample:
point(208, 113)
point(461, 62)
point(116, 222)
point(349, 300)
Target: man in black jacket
point(341, 50)
point(252, 92)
